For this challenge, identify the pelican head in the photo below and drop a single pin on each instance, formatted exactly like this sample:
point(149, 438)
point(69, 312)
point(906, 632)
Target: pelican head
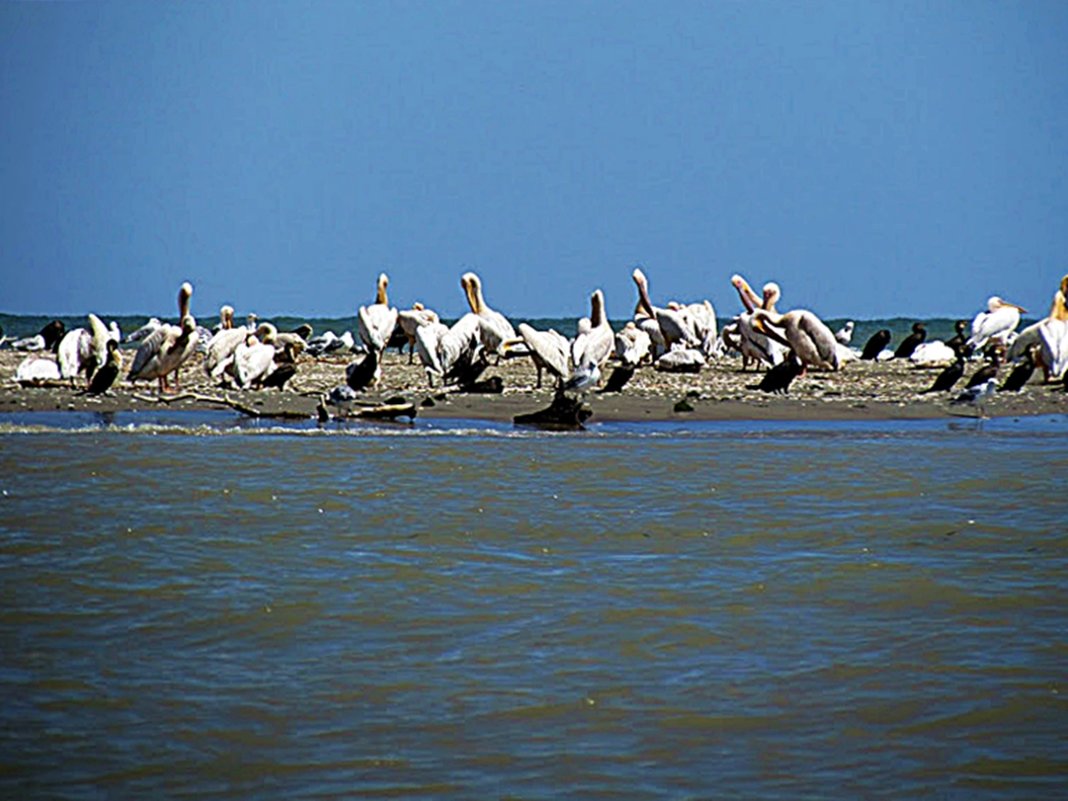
point(417, 306)
point(185, 294)
point(472, 285)
point(267, 333)
point(380, 294)
point(597, 313)
point(996, 303)
point(226, 316)
point(772, 293)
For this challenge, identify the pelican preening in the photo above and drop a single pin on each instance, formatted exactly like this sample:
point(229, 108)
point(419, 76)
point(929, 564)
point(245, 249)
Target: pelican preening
point(83, 350)
point(494, 328)
point(804, 333)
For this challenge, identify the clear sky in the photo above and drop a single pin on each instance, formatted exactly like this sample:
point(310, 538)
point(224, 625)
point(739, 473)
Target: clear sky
point(873, 158)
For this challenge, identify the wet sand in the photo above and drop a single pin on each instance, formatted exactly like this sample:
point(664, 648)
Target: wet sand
point(861, 391)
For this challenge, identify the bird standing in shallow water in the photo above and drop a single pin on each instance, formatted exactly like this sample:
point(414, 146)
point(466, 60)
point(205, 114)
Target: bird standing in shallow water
point(978, 395)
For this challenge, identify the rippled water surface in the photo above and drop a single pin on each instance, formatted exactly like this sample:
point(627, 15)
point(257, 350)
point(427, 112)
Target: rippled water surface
point(466, 611)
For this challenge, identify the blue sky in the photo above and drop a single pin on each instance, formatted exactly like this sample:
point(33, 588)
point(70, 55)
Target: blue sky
point(873, 158)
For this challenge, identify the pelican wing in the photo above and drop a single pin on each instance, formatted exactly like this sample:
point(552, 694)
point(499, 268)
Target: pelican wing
point(72, 349)
point(820, 335)
point(376, 324)
point(548, 346)
point(1054, 334)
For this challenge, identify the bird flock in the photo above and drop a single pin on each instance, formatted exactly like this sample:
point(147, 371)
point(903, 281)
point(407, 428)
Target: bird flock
point(674, 337)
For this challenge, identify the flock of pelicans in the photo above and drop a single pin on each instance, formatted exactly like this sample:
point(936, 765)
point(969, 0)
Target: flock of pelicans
point(676, 337)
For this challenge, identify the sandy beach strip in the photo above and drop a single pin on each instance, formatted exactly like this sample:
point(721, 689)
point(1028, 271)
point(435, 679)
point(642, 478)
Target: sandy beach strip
point(860, 391)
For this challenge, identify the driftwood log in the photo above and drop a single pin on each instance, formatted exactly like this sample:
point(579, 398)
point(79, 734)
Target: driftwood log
point(564, 413)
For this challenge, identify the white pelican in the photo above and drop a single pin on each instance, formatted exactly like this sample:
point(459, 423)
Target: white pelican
point(83, 350)
point(495, 330)
point(145, 330)
point(164, 352)
point(548, 351)
point(753, 344)
point(680, 360)
point(1053, 353)
point(219, 357)
point(674, 323)
point(998, 322)
point(375, 323)
point(595, 345)
point(441, 348)
point(632, 345)
point(805, 334)
point(254, 357)
point(35, 370)
point(1049, 336)
point(410, 319)
point(933, 354)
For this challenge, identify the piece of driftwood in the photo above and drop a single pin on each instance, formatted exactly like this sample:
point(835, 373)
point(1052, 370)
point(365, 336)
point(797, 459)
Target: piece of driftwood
point(564, 413)
point(385, 411)
point(281, 414)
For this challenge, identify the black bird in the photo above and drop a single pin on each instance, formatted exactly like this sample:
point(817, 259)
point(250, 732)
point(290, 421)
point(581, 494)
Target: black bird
point(987, 371)
point(280, 375)
point(779, 377)
point(1022, 373)
point(619, 378)
point(105, 376)
point(876, 344)
point(948, 378)
point(361, 373)
point(468, 369)
point(957, 342)
point(911, 342)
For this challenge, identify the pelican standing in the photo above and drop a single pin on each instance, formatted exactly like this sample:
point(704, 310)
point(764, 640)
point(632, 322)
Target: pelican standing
point(164, 352)
point(219, 357)
point(548, 351)
point(1053, 335)
point(377, 321)
point(495, 330)
point(595, 345)
point(411, 319)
